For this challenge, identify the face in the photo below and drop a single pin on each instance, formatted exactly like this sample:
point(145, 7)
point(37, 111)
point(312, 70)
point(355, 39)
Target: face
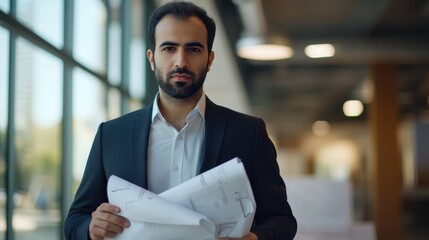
point(180, 59)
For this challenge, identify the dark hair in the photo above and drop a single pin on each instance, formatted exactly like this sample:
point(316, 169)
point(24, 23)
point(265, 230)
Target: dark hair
point(181, 10)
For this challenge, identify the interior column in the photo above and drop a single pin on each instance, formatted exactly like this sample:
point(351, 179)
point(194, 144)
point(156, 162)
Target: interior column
point(385, 163)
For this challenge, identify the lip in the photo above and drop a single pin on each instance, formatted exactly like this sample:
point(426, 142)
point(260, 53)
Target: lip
point(181, 77)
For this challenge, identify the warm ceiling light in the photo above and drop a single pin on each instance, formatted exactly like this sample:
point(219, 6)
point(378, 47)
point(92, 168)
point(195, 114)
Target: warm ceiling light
point(352, 108)
point(320, 50)
point(262, 48)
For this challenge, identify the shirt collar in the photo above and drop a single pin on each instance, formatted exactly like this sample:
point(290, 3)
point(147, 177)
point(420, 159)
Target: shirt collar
point(200, 108)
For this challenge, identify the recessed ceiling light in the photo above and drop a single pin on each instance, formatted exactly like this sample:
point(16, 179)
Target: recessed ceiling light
point(353, 108)
point(320, 50)
point(263, 48)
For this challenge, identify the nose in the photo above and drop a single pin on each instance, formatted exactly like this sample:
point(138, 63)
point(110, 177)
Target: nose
point(181, 59)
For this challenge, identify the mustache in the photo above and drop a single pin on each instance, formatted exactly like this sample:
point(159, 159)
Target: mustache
point(181, 71)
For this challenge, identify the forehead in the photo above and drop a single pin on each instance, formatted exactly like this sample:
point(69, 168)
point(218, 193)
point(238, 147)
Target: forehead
point(173, 29)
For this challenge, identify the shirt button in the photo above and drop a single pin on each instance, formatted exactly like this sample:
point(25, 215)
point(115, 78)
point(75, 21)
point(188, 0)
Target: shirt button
point(176, 168)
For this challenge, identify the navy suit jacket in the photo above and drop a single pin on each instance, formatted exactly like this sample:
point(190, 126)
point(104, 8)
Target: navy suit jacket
point(120, 148)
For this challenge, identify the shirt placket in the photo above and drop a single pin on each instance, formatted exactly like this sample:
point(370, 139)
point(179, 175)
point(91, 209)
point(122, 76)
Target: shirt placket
point(177, 158)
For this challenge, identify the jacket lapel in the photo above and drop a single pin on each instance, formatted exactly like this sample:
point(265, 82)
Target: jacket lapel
point(214, 132)
point(140, 128)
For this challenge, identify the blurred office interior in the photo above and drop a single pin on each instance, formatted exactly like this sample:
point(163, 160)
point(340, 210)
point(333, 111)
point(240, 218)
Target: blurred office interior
point(345, 99)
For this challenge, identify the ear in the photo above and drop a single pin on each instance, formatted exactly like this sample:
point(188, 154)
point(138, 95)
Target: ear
point(150, 56)
point(210, 61)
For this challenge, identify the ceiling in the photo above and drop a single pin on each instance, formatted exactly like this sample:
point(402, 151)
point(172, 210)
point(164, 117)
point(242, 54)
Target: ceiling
point(291, 94)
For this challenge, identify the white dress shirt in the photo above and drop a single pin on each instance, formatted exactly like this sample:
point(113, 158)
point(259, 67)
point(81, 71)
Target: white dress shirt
point(174, 156)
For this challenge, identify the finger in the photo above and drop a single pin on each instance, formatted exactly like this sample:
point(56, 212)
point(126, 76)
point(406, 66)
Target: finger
point(108, 225)
point(108, 212)
point(107, 207)
point(100, 228)
point(104, 223)
point(107, 219)
point(98, 233)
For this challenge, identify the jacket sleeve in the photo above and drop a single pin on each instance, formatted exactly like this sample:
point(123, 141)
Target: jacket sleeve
point(90, 194)
point(274, 219)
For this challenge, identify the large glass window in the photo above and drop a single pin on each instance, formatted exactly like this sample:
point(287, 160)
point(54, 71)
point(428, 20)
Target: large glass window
point(44, 18)
point(89, 110)
point(37, 101)
point(38, 112)
point(89, 28)
point(4, 66)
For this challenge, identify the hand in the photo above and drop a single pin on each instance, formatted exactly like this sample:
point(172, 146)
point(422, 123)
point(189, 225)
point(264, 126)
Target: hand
point(106, 222)
point(250, 236)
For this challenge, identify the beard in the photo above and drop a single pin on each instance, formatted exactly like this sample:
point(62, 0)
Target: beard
point(177, 89)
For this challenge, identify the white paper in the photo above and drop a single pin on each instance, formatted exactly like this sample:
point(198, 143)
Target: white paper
point(217, 203)
point(150, 215)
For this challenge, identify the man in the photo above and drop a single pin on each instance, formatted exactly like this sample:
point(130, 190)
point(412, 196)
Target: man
point(181, 134)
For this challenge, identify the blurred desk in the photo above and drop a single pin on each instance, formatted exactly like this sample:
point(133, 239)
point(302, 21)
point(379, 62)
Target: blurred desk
point(359, 231)
point(323, 209)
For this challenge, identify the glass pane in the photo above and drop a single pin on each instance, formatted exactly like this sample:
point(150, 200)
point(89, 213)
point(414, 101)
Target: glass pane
point(43, 17)
point(37, 133)
point(138, 51)
point(114, 103)
point(89, 28)
point(4, 6)
point(138, 62)
point(135, 105)
point(4, 66)
point(89, 110)
point(114, 60)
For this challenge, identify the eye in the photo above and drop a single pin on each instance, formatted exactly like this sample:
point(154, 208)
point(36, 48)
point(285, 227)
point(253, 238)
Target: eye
point(168, 49)
point(194, 50)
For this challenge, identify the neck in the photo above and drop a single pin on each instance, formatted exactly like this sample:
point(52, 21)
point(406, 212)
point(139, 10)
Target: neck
point(176, 110)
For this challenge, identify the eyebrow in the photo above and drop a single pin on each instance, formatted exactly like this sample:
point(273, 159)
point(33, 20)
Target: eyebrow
point(190, 44)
